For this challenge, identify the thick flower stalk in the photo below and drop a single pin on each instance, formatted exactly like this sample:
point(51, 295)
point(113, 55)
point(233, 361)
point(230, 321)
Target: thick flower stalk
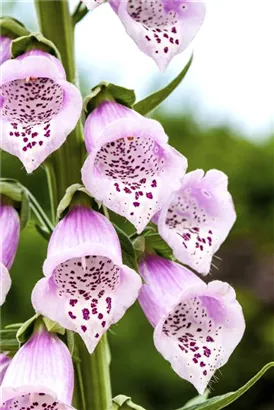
point(197, 325)
point(160, 28)
point(4, 364)
point(130, 167)
point(9, 239)
point(87, 288)
point(38, 107)
point(197, 218)
point(40, 376)
point(5, 52)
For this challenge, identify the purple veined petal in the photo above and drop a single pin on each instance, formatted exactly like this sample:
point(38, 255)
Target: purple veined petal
point(133, 170)
point(40, 373)
point(92, 4)
point(197, 325)
point(197, 218)
point(5, 53)
point(162, 28)
point(5, 283)
point(87, 288)
point(4, 364)
point(47, 108)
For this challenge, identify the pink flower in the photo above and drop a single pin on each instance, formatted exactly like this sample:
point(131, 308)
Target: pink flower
point(197, 325)
point(197, 218)
point(130, 167)
point(4, 364)
point(40, 376)
point(87, 288)
point(5, 53)
point(160, 28)
point(9, 238)
point(38, 107)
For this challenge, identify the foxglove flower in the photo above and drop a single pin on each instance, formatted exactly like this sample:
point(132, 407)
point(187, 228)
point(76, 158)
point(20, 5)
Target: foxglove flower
point(197, 218)
point(160, 28)
point(87, 288)
point(130, 167)
point(9, 238)
point(5, 52)
point(38, 107)
point(4, 364)
point(92, 4)
point(40, 376)
point(197, 325)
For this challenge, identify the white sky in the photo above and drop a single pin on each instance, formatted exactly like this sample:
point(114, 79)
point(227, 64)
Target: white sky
point(232, 76)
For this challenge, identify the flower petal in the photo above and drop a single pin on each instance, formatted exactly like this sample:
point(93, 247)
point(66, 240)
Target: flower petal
point(39, 108)
point(5, 283)
point(197, 219)
point(4, 364)
point(9, 234)
point(161, 29)
point(34, 400)
point(5, 54)
point(43, 365)
point(198, 335)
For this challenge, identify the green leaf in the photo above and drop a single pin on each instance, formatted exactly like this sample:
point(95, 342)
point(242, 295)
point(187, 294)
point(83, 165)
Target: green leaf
point(219, 402)
point(197, 400)
point(8, 340)
point(122, 402)
point(33, 41)
point(12, 28)
point(13, 190)
point(43, 232)
point(70, 341)
point(68, 198)
point(53, 327)
point(154, 241)
point(108, 92)
point(128, 251)
point(26, 329)
point(151, 102)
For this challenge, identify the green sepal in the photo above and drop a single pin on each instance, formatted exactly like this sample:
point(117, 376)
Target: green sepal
point(12, 28)
point(128, 251)
point(108, 92)
point(220, 402)
point(151, 102)
point(122, 402)
point(69, 197)
point(197, 400)
point(70, 341)
point(155, 242)
point(53, 327)
point(15, 192)
point(33, 41)
point(26, 329)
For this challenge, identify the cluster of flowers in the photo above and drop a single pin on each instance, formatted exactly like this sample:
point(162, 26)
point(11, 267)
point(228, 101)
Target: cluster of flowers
point(133, 171)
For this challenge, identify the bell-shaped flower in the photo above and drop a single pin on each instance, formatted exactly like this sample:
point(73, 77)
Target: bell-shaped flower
point(38, 107)
point(197, 325)
point(130, 167)
point(9, 239)
point(160, 28)
point(40, 375)
point(197, 218)
point(5, 52)
point(4, 364)
point(87, 288)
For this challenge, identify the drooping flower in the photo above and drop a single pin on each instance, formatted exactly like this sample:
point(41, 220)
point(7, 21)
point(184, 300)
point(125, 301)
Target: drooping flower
point(160, 28)
point(130, 167)
point(87, 288)
point(197, 218)
point(9, 238)
point(40, 376)
point(5, 52)
point(4, 364)
point(39, 108)
point(197, 325)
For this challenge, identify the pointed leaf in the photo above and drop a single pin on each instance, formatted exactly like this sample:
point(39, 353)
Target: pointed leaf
point(68, 197)
point(25, 330)
point(219, 402)
point(33, 40)
point(12, 28)
point(53, 327)
point(150, 103)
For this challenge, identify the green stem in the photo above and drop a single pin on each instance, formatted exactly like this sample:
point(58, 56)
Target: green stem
point(92, 388)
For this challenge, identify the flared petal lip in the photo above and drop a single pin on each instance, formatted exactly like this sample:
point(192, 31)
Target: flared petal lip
point(9, 392)
point(85, 249)
point(5, 284)
point(31, 66)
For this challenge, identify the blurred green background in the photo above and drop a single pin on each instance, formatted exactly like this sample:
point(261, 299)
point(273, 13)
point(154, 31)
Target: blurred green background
point(246, 262)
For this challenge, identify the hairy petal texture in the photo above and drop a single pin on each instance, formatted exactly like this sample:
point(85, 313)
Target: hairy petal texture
point(9, 239)
point(39, 375)
point(87, 288)
point(5, 53)
point(130, 167)
point(161, 28)
point(4, 364)
point(38, 107)
point(197, 218)
point(197, 325)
